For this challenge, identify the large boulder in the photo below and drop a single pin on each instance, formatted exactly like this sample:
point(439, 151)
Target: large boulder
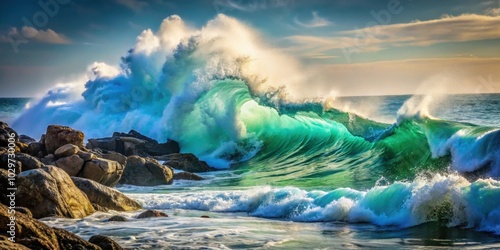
point(105, 196)
point(49, 191)
point(145, 172)
point(58, 136)
point(104, 171)
point(33, 234)
point(186, 162)
point(72, 164)
point(134, 143)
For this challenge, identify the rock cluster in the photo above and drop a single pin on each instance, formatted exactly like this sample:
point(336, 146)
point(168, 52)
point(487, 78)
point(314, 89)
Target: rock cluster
point(59, 176)
point(134, 143)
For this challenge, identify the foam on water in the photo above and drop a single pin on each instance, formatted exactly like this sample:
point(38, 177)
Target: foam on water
point(451, 199)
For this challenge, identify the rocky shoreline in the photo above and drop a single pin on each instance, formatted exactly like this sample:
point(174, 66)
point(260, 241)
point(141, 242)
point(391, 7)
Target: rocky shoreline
point(59, 176)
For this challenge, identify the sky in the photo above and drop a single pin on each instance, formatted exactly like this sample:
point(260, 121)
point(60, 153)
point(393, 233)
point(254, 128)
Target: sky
point(354, 47)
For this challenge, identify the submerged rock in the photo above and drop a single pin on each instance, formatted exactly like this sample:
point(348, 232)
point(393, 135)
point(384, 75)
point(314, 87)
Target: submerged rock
point(104, 242)
point(49, 191)
point(186, 162)
point(145, 172)
point(187, 176)
point(151, 213)
point(32, 234)
point(117, 218)
point(104, 196)
point(58, 136)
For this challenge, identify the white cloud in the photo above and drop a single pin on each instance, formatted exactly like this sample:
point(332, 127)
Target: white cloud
point(135, 5)
point(493, 11)
point(467, 27)
point(315, 22)
point(463, 75)
point(228, 5)
point(31, 34)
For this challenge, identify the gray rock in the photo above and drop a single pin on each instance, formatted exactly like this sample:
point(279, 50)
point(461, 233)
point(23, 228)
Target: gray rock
point(105, 196)
point(117, 218)
point(103, 171)
point(151, 213)
point(105, 243)
point(26, 139)
point(33, 234)
point(66, 150)
point(187, 176)
point(28, 162)
point(72, 164)
point(36, 149)
point(114, 156)
point(186, 162)
point(49, 191)
point(145, 172)
point(86, 156)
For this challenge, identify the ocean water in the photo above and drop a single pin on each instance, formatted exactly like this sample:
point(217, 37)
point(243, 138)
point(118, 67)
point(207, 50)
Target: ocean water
point(289, 200)
point(392, 172)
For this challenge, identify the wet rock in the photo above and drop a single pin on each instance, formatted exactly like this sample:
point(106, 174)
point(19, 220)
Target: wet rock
point(151, 213)
point(186, 162)
point(105, 196)
point(105, 243)
point(32, 234)
point(104, 171)
point(117, 218)
point(145, 172)
point(66, 150)
point(205, 216)
point(187, 176)
point(72, 164)
point(58, 136)
point(49, 191)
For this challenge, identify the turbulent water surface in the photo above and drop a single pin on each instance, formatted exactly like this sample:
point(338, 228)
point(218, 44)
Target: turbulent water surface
point(352, 172)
